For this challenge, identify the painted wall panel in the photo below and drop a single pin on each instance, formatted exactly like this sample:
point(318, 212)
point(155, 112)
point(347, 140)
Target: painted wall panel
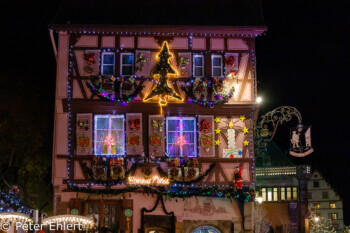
point(61, 137)
point(217, 43)
point(179, 43)
point(198, 43)
point(78, 173)
point(236, 44)
point(127, 42)
point(108, 42)
point(61, 168)
point(76, 90)
point(62, 66)
point(147, 42)
point(87, 41)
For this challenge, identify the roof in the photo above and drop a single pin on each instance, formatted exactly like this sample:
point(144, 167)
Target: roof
point(160, 12)
point(278, 158)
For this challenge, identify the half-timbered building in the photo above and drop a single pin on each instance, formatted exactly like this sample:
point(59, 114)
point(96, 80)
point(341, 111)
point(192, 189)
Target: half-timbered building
point(154, 113)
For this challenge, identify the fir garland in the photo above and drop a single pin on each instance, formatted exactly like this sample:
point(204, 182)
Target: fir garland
point(243, 195)
point(222, 99)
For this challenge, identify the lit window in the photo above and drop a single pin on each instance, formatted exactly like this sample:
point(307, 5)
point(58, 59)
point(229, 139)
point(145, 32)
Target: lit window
point(310, 195)
point(289, 193)
point(181, 136)
point(324, 194)
point(283, 194)
point(216, 65)
point(334, 216)
point(317, 206)
point(316, 184)
point(107, 67)
point(198, 66)
point(275, 194)
point(109, 135)
point(332, 205)
point(206, 229)
point(269, 194)
point(263, 194)
point(127, 64)
point(295, 193)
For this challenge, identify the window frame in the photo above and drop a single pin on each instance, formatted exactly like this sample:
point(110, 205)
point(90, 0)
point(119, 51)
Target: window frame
point(332, 205)
point(132, 65)
point(317, 206)
point(318, 184)
point(102, 62)
point(108, 116)
point(333, 214)
point(325, 195)
point(181, 134)
point(194, 65)
point(221, 66)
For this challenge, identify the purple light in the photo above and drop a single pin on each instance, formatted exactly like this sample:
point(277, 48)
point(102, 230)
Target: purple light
point(190, 100)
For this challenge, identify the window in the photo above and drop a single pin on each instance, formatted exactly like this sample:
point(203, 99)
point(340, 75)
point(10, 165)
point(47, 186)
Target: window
point(275, 194)
point(263, 194)
point(310, 195)
point(324, 194)
point(206, 229)
point(107, 67)
point(333, 216)
point(109, 214)
point(289, 193)
point(316, 184)
point(198, 66)
point(317, 206)
point(216, 65)
point(181, 136)
point(295, 193)
point(332, 205)
point(283, 194)
point(127, 64)
point(109, 135)
point(269, 194)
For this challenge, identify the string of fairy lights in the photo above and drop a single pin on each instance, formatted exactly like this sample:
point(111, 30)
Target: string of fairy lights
point(87, 186)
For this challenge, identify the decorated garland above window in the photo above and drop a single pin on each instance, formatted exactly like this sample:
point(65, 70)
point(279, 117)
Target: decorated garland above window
point(202, 88)
point(115, 89)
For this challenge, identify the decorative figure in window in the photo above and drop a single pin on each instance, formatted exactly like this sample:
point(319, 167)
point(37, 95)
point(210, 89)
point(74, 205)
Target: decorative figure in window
point(134, 124)
point(157, 125)
point(231, 151)
point(205, 126)
point(141, 60)
point(163, 68)
point(295, 139)
point(206, 142)
point(90, 59)
point(238, 177)
point(229, 61)
point(83, 124)
point(109, 142)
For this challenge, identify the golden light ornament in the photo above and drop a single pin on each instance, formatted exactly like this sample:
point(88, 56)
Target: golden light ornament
point(13, 217)
point(85, 222)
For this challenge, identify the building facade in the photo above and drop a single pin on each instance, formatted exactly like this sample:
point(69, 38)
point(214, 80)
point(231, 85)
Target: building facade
point(153, 122)
point(283, 188)
point(325, 201)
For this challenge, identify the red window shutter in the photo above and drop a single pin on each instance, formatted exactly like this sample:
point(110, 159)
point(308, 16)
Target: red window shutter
point(84, 134)
point(133, 140)
point(206, 136)
point(156, 133)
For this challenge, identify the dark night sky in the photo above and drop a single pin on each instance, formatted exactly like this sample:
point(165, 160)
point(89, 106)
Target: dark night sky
point(302, 61)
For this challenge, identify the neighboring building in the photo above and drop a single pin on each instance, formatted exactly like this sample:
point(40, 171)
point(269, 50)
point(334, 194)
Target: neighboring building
point(150, 142)
point(325, 201)
point(283, 187)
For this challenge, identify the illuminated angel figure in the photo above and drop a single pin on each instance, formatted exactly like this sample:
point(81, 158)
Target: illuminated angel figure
point(163, 68)
point(295, 139)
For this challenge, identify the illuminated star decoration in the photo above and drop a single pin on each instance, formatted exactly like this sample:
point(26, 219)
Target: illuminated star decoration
point(181, 140)
point(246, 143)
point(245, 130)
point(217, 142)
point(217, 119)
point(217, 131)
point(109, 141)
point(242, 117)
point(163, 68)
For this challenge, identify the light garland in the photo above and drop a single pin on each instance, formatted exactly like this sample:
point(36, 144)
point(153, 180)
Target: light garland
point(15, 217)
point(85, 222)
point(152, 181)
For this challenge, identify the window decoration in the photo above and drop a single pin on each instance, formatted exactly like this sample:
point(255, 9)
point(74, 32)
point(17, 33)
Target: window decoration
point(134, 124)
point(83, 134)
point(206, 141)
point(181, 136)
point(89, 59)
point(157, 125)
point(198, 65)
point(206, 229)
point(134, 134)
point(108, 62)
point(200, 86)
point(134, 140)
point(110, 88)
point(109, 135)
point(99, 169)
point(206, 136)
point(231, 151)
point(163, 69)
point(216, 65)
point(117, 168)
point(141, 60)
point(182, 61)
point(156, 135)
point(126, 64)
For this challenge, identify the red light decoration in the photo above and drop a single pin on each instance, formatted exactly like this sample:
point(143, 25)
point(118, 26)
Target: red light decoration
point(181, 140)
point(109, 141)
